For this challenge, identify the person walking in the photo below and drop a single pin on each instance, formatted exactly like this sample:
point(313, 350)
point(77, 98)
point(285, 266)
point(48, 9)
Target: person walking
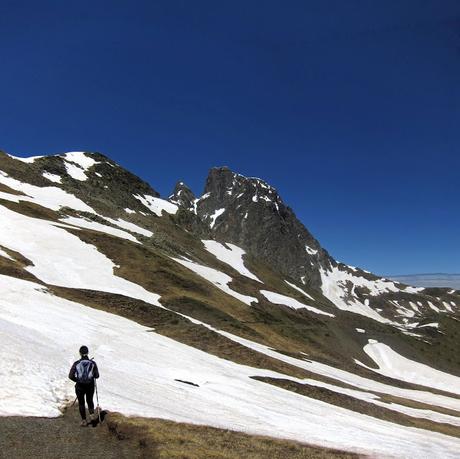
point(83, 372)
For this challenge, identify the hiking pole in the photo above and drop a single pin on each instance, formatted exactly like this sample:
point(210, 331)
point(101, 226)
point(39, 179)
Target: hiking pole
point(98, 408)
point(74, 401)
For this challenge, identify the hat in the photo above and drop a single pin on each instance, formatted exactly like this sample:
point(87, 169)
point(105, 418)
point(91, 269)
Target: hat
point(84, 350)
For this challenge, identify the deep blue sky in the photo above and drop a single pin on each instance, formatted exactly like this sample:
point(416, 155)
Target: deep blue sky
point(349, 108)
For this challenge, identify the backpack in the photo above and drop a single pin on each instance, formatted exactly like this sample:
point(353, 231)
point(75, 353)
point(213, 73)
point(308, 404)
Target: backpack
point(84, 371)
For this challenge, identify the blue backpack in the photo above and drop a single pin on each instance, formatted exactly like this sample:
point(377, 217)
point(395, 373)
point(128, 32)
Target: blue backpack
point(84, 371)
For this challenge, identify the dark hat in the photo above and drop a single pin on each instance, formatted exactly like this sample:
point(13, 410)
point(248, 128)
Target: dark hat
point(84, 350)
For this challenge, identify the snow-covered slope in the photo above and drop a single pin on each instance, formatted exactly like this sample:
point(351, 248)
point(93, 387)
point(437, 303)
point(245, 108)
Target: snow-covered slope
point(165, 292)
point(40, 333)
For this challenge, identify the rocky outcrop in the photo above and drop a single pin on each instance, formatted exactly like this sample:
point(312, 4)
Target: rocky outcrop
point(251, 214)
point(182, 196)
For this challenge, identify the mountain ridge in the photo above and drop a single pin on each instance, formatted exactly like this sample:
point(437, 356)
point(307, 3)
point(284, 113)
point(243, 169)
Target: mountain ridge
point(191, 281)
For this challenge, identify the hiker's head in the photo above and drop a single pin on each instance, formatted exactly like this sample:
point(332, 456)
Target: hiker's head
point(84, 350)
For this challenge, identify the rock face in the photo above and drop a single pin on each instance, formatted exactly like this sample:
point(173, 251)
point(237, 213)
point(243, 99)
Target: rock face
point(183, 196)
point(250, 213)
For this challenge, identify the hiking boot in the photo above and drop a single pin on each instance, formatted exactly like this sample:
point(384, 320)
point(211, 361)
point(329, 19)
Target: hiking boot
point(83, 423)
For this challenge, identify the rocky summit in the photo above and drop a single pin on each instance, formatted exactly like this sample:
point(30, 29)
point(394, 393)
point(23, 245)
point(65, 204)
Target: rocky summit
point(221, 310)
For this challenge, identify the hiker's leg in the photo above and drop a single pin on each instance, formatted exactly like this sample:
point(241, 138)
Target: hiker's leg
point(89, 398)
point(81, 400)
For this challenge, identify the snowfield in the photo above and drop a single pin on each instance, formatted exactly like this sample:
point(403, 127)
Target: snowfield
point(50, 197)
point(396, 366)
point(60, 258)
point(43, 333)
point(349, 378)
point(334, 288)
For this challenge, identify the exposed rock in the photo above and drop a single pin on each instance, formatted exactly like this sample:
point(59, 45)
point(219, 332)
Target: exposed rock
point(182, 196)
point(251, 214)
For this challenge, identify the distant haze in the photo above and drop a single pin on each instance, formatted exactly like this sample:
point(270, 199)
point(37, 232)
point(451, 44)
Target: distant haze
point(430, 280)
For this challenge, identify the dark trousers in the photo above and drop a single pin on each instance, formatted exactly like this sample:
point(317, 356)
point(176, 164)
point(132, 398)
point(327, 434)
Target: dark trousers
point(83, 390)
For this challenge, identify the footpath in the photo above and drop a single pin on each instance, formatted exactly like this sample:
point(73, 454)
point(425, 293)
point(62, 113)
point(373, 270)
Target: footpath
point(59, 438)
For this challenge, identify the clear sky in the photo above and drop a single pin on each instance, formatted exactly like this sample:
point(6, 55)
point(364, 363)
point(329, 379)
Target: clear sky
point(351, 109)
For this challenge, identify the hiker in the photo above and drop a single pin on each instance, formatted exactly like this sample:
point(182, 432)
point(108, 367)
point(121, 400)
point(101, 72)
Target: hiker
point(83, 373)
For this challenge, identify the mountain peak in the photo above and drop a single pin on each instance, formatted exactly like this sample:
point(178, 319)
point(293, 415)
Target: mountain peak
point(222, 182)
point(249, 212)
point(182, 196)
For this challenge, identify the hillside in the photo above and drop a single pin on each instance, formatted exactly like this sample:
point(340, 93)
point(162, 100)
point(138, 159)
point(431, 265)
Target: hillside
point(220, 310)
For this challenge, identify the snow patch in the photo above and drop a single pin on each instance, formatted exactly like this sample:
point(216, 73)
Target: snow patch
point(129, 226)
point(157, 205)
point(96, 226)
point(28, 160)
point(277, 298)
point(218, 278)
point(50, 197)
point(81, 159)
point(75, 171)
point(303, 292)
point(215, 215)
point(232, 255)
point(433, 324)
point(52, 177)
point(396, 366)
point(334, 287)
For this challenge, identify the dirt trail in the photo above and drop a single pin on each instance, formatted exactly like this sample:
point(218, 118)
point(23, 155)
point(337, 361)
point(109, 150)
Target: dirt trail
point(59, 438)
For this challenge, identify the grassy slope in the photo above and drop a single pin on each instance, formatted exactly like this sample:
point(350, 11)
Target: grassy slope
point(166, 439)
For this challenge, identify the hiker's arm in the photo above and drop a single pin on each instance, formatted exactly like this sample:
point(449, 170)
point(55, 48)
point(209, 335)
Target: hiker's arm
point(72, 372)
point(96, 371)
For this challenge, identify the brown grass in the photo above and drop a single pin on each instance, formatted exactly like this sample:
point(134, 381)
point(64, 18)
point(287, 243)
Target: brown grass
point(160, 439)
point(6, 189)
